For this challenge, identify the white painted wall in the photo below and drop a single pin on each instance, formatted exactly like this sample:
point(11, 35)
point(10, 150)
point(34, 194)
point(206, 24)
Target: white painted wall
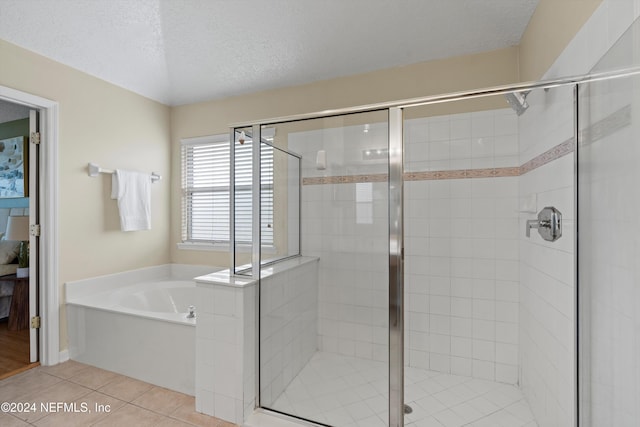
point(102, 123)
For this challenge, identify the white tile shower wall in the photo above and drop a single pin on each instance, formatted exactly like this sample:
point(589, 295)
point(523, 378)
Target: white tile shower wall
point(482, 139)
point(344, 148)
point(548, 121)
point(547, 299)
point(289, 325)
point(463, 319)
point(547, 279)
point(249, 353)
point(461, 277)
point(350, 237)
point(461, 262)
point(225, 351)
point(346, 226)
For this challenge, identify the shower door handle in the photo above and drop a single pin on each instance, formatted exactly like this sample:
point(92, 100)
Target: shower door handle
point(549, 224)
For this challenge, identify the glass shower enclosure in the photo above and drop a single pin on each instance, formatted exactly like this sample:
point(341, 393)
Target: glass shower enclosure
point(444, 230)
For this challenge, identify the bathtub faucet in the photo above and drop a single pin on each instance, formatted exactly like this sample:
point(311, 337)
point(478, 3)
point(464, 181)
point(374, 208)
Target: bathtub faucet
point(192, 312)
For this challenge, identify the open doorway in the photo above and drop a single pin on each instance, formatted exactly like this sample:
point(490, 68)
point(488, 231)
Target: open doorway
point(18, 251)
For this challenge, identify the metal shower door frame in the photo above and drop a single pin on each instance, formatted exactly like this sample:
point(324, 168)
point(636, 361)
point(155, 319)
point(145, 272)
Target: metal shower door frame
point(396, 203)
point(396, 268)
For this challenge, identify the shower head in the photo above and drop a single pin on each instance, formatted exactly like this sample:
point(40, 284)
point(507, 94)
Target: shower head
point(518, 101)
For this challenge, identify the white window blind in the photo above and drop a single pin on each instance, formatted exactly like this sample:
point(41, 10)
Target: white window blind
point(205, 191)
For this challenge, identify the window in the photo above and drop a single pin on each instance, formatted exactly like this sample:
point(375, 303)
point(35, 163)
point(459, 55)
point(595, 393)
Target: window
point(205, 191)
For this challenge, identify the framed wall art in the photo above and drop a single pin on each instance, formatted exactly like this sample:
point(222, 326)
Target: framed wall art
point(14, 167)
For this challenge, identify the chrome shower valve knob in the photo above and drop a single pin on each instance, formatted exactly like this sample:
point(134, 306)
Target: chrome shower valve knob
point(549, 224)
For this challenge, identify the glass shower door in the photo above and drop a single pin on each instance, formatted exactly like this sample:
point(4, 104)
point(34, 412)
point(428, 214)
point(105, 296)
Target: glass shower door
point(609, 249)
point(324, 342)
point(488, 308)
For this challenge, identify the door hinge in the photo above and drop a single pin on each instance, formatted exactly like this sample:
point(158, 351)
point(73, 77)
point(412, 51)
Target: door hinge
point(35, 322)
point(34, 230)
point(35, 138)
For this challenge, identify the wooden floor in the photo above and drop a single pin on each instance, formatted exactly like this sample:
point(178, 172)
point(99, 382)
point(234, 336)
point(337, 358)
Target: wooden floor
point(14, 350)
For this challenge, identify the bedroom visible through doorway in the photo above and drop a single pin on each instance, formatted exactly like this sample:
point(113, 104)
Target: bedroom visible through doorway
point(18, 249)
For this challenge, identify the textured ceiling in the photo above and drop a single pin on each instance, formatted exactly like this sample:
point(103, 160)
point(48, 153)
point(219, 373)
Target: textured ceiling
point(184, 51)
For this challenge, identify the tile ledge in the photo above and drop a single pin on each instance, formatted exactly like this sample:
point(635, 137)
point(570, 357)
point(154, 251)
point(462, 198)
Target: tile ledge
point(225, 278)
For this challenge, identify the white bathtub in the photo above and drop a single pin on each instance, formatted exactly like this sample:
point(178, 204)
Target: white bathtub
point(135, 323)
point(166, 300)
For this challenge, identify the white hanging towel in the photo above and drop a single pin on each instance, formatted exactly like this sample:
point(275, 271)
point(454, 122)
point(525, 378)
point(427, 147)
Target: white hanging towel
point(132, 190)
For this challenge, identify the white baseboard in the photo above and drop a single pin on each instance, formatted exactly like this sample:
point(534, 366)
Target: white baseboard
point(64, 356)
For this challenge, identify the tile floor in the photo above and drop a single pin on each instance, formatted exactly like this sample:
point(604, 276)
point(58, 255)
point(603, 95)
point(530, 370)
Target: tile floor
point(131, 402)
point(336, 390)
point(350, 392)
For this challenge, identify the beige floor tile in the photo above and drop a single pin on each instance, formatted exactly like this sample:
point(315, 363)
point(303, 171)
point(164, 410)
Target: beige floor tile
point(172, 422)
point(162, 400)
point(7, 420)
point(187, 413)
point(125, 388)
point(226, 424)
point(13, 388)
point(64, 370)
point(94, 378)
point(94, 414)
point(130, 415)
point(147, 409)
point(62, 392)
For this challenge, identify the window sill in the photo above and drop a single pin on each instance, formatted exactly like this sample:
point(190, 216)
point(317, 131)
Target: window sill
point(215, 247)
point(219, 247)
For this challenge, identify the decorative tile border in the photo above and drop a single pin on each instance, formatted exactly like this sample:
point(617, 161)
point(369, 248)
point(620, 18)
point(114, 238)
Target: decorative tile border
point(462, 173)
point(424, 176)
point(605, 127)
point(415, 176)
point(419, 176)
point(597, 131)
point(345, 179)
point(560, 150)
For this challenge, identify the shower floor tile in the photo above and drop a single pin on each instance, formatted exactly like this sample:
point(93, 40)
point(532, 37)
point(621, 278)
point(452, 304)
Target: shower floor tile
point(344, 391)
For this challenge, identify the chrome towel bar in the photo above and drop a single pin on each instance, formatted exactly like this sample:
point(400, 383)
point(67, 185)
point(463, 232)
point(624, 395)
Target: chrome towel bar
point(95, 170)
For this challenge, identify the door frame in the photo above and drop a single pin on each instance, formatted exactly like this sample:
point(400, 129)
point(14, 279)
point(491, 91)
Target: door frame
point(49, 289)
